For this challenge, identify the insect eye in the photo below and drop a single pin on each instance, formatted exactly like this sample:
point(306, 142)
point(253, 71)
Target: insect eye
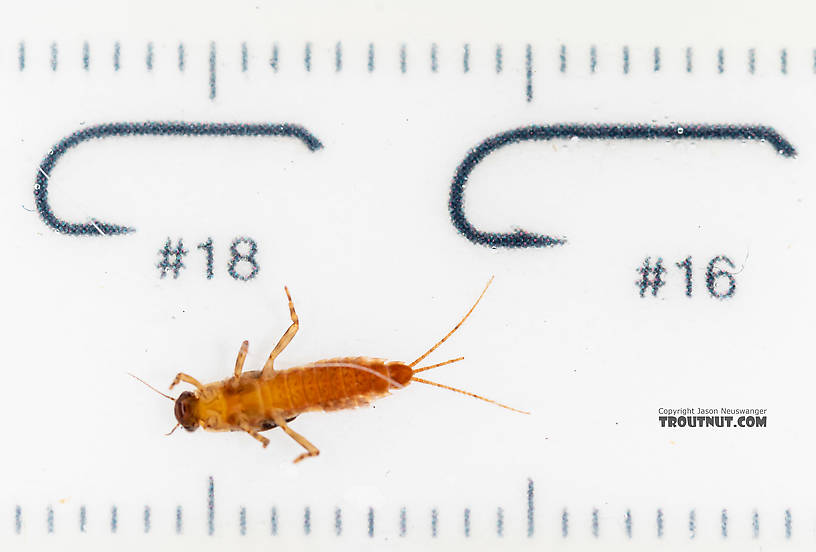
point(182, 408)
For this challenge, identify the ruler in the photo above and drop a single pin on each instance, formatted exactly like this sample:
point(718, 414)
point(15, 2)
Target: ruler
point(636, 180)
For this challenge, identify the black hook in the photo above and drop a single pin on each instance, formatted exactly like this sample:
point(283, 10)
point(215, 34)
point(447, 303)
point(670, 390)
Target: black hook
point(521, 238)
point(149, 128)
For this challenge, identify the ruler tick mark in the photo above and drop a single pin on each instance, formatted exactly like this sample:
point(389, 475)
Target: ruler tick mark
point(500, 522)
point(338, 521)
point(724, 523)
point(50, 520)
point(593, 59)
point(692, 524)
point(467, 522)
point(116, 55)
point(595, 523)
point(114, 520)
point(83, 517)
point(307, 57)
point(242, 523)
point(211, 506)
point(403, 522)
point(338, 57)
point(627, 522)
point(212, 70)
point(273, 59)
point(273, 521)
point(149, 57)
point(755, 525)
point(564, 523)
point(434, 522)
point(530, 508)
point(307, 521)
point(626, 60)
point(659, 523)
point(528, 59)
point(788, 524)
point(178, 520)
point(656, 53)
point(54, 55)
point(147, 519)
point(370, 522)
point(18, 519)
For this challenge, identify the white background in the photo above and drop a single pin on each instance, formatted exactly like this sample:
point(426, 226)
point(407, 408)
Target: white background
point(360, 233)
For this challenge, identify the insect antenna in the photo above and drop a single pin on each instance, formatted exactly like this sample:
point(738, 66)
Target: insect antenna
point(469, 394)
point(450, 333)
point(153, 388)
point(169, 433)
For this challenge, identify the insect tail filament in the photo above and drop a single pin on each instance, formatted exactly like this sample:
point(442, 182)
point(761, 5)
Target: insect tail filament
point(450, 333)
point(469, 394)
point(451, 361)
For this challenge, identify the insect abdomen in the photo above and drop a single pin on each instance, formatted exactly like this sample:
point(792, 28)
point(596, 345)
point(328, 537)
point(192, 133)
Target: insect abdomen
point(338, 383)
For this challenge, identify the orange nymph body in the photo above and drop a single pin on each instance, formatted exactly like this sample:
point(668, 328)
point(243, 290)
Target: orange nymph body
point(256, 401)
point(326, 385)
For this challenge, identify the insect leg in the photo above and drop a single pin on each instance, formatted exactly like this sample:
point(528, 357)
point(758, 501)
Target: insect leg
point(185, 378)
point(311, 450)
point(239, 362)
point(284, 340)
point(246, 427)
